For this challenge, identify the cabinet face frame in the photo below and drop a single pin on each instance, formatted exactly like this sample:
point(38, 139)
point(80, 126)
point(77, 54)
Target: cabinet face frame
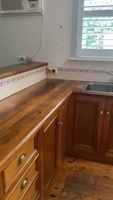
point(52, 155)
point(53, 119)
point(107, 137)
point(37, 146)
point(1, 187)
point(62, 130)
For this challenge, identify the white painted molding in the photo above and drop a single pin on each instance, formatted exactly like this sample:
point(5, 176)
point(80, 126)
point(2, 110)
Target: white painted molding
point(92, 59)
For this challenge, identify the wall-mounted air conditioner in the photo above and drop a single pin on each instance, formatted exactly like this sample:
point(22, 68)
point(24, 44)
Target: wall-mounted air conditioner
point(14, 7)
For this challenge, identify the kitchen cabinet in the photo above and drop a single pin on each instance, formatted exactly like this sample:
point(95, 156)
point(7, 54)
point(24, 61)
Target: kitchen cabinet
point(29, 172)
point(87, 122)
point(107, 136)
point(21, 172)
point(33, 166)
point(92, 128)
point(53, 145)
point(49, 141)
point(64, 115)
point(55, 123)
point(62, 131)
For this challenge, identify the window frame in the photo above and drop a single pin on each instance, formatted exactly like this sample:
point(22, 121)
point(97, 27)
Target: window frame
point(85, 54)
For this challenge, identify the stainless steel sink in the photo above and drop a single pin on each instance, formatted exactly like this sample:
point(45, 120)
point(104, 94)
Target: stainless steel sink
point(98, 87)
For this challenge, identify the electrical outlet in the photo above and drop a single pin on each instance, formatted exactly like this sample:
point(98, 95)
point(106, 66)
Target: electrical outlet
point(51, 70)
point(22, 58)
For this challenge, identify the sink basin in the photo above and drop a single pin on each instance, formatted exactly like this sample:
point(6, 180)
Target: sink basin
point(98, 87)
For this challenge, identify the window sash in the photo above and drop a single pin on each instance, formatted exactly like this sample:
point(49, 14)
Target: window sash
point(79, 52)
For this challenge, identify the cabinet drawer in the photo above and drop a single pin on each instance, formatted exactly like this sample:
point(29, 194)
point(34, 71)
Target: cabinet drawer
point(33, 193)
point(19, 159)
point(24, 183)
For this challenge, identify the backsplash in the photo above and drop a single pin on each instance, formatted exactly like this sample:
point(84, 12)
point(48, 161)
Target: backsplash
point(14, 84)
point(82, 74)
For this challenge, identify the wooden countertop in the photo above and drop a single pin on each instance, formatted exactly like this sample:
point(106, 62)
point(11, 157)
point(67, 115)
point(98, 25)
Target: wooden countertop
point(19, 68)
point(24, 113)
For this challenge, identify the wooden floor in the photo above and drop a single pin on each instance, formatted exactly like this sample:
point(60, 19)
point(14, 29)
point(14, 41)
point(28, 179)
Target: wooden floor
point(83, 180)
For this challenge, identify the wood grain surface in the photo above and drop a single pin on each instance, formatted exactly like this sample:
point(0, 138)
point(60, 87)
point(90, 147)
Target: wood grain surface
point(82, 180)
point(22, 114)
point(11, 70)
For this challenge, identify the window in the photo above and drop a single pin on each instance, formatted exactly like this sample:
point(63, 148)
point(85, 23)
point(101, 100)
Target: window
point(95, 29)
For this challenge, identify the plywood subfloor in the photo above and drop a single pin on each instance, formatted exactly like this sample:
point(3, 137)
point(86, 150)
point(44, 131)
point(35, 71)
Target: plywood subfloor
point(83, 180)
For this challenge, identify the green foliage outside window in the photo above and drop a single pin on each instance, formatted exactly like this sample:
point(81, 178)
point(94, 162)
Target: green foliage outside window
point(98, 29)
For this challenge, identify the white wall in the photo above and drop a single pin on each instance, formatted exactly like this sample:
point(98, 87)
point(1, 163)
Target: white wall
point(21, 35)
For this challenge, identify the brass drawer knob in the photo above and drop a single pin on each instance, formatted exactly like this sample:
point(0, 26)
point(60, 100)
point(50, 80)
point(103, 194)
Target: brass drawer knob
point(107, 113)
point(60, 123)
point(101, 112)
point(21, 159)
point(24, 184)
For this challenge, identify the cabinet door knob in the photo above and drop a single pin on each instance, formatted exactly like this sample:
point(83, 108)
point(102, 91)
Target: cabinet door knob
point(107, 113)
point(101, 112)
point(21, 159)
point(60, 123)
point(24, 184)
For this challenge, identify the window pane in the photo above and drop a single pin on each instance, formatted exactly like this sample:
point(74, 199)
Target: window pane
point(97, 33)
point(98, 5)
point(94, 46)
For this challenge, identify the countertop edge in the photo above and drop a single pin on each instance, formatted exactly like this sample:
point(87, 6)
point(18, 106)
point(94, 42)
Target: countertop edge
point(14, 72)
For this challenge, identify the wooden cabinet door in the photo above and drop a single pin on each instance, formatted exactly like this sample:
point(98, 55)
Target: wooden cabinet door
point(88, 121)
point(64, 112)
point(49, 150)
point(62, 143)
point(107, 137)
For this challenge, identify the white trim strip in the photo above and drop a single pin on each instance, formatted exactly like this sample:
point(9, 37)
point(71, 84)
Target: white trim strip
point(92, 59)
point(14, 84)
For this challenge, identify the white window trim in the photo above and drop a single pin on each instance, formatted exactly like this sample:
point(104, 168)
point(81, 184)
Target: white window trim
point(76, 36)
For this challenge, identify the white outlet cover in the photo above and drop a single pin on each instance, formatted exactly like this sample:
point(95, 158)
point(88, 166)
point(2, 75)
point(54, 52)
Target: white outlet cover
point(21, 58)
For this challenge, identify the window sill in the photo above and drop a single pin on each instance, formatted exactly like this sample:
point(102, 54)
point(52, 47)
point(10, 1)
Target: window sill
point(92, 59)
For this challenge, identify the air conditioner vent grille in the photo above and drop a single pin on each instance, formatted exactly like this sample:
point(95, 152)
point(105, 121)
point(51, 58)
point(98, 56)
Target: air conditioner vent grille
point(11, 5)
